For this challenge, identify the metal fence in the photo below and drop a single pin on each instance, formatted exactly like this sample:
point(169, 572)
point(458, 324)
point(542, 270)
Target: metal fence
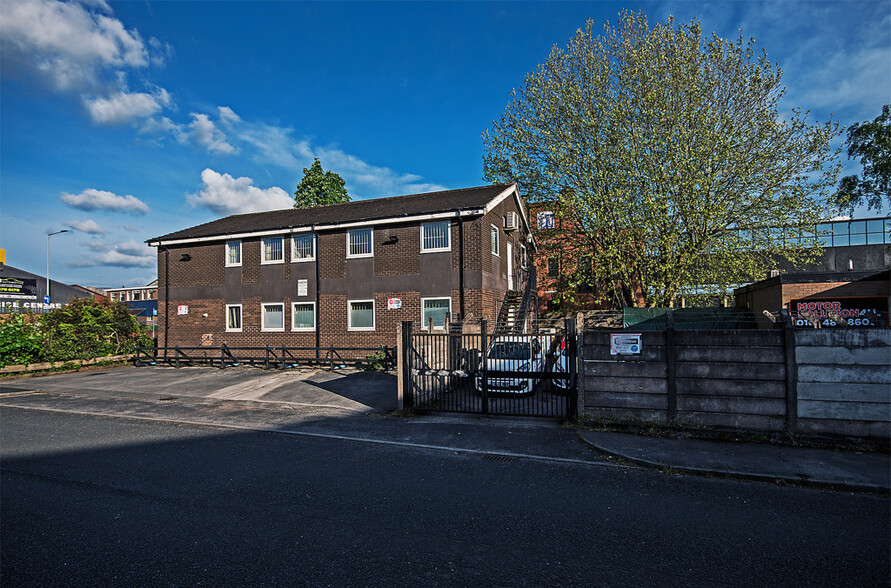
point(530, 374)
point(268, 357)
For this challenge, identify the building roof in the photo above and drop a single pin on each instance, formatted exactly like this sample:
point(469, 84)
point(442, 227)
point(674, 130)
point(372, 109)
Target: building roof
point(395, 208)
point(817, 277)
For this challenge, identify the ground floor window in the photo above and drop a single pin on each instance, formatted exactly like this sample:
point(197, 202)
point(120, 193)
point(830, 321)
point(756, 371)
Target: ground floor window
point(233, 317)
point(436, 309)
point(361, 315)
point(303, 316)
point(273, 317)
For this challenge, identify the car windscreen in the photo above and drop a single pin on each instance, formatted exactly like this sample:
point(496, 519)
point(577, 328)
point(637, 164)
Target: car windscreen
point(509, 350)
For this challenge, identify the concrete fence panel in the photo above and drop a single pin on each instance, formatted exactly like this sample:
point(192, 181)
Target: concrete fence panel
point(844, 381)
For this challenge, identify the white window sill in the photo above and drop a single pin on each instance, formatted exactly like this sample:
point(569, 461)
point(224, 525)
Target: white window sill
point(278, 261)
point(442, 250)
point(365, 329)
point(302, 259)
point(304, 330)
point(364, 255)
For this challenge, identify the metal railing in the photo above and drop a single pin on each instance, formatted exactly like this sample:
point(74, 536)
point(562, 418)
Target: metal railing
point(268, 357)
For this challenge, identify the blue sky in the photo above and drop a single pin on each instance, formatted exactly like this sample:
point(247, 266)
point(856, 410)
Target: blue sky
point(122, 121)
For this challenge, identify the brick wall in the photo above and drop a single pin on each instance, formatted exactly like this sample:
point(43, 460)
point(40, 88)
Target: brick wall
point(205, 285)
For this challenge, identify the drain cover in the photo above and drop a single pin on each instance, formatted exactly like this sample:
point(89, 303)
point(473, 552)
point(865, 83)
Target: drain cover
point(499, 458)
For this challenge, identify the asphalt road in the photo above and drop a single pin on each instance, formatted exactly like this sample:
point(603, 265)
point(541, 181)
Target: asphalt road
point(91, 500)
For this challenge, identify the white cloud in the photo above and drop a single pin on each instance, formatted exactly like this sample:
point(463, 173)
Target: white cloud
point(224, 194)
point(67, 43)
point(125, 107)
point(92, 199)
point(206, 134)
point(87, 226)
point(125, 254)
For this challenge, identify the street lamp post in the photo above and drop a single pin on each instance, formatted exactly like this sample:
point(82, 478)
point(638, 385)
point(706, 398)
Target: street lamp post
point(48, 235)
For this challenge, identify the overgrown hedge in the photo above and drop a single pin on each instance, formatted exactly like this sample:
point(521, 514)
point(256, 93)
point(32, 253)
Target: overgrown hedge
point(82, 329)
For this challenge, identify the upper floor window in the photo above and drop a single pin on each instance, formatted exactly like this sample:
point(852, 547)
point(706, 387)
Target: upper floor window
point(360, 243)
point(523, 260)
point(546, 219)
point(273, 250)
point(233, 253)
point(496, 240)
point(303, 248)
point(436, 236)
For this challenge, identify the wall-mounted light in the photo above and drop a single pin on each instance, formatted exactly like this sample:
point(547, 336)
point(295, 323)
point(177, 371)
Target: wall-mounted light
point(185, 257)
point(393, 239)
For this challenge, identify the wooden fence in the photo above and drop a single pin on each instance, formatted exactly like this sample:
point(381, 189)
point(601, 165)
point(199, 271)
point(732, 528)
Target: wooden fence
point(827, 381)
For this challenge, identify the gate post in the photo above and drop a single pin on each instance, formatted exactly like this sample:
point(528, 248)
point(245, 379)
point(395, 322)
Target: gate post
point(572, 367)
point(404, 399)
point(484, 367)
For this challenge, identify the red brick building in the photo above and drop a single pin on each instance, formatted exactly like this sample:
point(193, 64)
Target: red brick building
point(343, 275)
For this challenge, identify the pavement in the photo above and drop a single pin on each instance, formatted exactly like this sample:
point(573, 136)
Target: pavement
point(822, 468)
point(359, 407)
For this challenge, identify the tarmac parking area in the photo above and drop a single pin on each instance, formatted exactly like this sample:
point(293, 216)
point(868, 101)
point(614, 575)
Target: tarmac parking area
point(348, 390)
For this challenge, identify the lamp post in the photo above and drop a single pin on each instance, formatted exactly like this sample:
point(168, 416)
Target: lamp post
point(48, 235)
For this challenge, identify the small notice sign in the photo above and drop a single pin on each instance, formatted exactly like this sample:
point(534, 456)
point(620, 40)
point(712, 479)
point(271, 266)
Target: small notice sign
point(394, 303)
point(302, 287)
point(182, 309)
point(624, 344)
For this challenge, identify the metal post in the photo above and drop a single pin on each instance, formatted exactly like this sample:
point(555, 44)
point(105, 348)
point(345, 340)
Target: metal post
point(48, 235)
point(572, 349)
point(484, 367)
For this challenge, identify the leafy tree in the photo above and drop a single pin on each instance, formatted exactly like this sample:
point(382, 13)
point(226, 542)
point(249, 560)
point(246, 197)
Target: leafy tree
point(871, 143)
point(319, 187)
point(668, 152)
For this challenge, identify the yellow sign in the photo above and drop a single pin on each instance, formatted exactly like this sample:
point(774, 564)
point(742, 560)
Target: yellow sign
point(3, 256)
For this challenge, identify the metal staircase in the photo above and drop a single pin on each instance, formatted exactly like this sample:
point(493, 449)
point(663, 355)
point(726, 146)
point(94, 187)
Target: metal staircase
point(517, 307)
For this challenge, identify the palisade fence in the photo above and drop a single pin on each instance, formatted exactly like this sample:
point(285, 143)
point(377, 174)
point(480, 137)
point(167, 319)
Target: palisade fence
point(802, 380)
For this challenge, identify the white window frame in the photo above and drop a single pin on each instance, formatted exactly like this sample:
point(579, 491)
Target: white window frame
point(496, 241)
point(350, 326)
point(424, 321)
point(229, 263)
point(360, 255)
point(263, 326)
point(524, 261)
point(545, 215)
point(448, 233)
point(294, 258)
point(293, 314)
point(263, 260)
point(240, 318)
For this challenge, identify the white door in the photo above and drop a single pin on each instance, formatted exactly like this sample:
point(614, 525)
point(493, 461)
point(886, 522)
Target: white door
point(510, 266)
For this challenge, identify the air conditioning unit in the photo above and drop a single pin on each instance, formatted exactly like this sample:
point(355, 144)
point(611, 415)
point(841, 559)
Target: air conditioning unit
point(511, 221)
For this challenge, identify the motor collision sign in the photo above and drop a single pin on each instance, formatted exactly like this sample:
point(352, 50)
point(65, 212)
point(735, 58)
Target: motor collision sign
point(624, 344)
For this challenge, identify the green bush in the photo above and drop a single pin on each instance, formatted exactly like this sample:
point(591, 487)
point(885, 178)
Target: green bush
point(82, 329)
point(85, 328)
point(21, 340)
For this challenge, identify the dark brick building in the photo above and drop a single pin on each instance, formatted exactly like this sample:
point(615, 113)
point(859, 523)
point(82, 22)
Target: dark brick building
point(344, 275)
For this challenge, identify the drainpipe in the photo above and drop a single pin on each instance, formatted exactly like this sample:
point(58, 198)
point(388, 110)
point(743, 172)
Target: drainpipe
point(166, 296)
point(315, 237)
point(461, 264)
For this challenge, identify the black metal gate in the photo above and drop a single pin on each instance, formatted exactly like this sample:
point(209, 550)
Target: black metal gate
point(528, 374)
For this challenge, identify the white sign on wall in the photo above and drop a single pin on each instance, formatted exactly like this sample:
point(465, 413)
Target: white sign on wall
point(624, 344)
point(182, 309)
point(302, 287)
point(394, 303)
